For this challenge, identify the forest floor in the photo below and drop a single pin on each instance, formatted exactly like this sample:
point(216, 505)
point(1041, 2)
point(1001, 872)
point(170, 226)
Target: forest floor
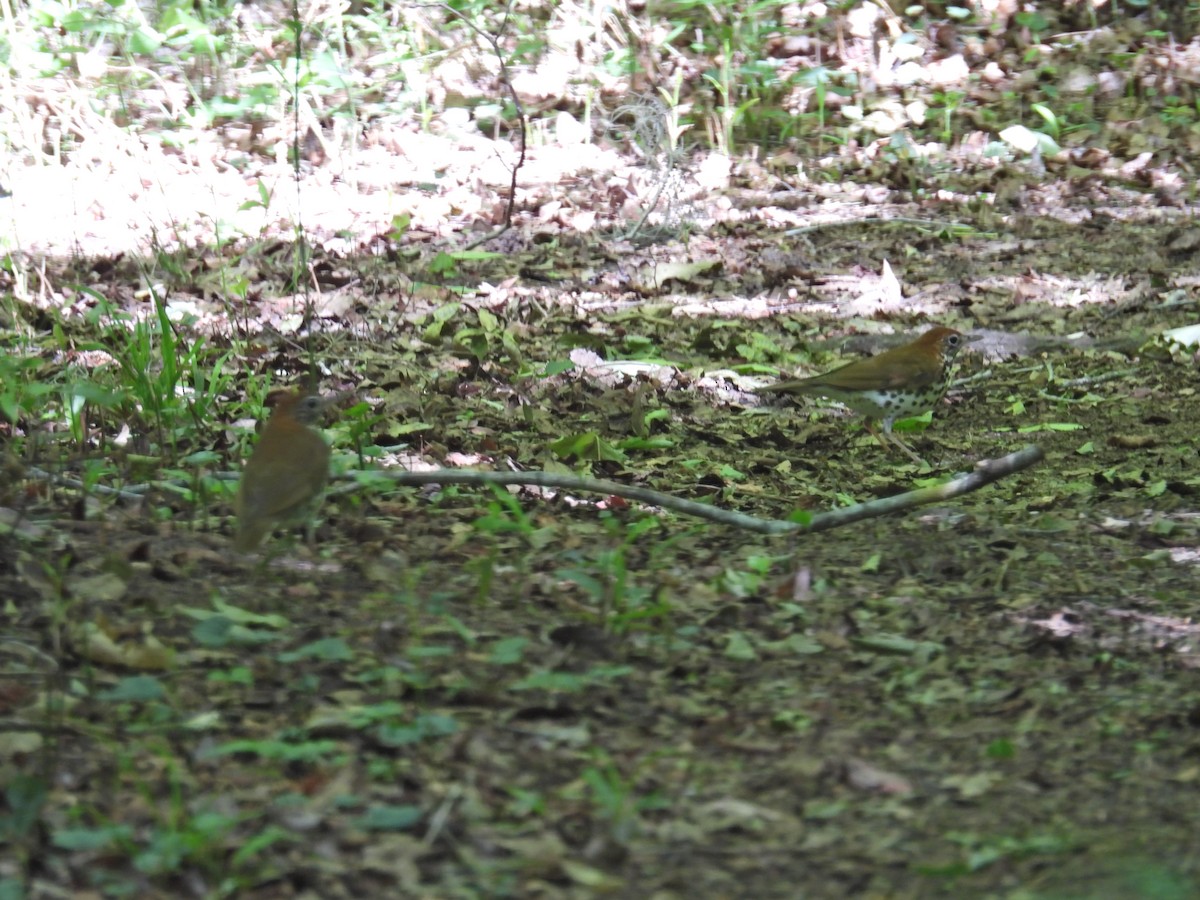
point(993, 697)
point(465, 692)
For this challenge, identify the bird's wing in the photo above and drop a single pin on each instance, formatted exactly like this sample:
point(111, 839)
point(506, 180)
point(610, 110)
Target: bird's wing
point(286, 483)
point(879, 373)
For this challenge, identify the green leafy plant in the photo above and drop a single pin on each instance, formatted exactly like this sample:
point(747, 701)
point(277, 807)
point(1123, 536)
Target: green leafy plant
point(616, 801)
point(604, 578)
point(570, 682)
point(946, 102)
point(1034, 22)
point(980, 851)
point(21, 390)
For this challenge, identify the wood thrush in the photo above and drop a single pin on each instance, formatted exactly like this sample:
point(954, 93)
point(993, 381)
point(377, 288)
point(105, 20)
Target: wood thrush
point(287, 471)
point(901, 382)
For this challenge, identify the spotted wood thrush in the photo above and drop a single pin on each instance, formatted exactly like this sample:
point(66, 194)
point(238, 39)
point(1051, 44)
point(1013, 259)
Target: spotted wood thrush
point(287, 471)
point(901, 382)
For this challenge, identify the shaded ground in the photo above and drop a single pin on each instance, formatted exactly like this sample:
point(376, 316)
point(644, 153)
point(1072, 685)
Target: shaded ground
point(459, 696)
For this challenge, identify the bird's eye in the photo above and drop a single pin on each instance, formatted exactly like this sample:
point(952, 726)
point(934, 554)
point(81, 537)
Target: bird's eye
point(953, 339)
point(309, 409)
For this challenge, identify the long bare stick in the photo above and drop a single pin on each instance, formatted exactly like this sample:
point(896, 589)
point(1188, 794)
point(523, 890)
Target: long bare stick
point(986, 471)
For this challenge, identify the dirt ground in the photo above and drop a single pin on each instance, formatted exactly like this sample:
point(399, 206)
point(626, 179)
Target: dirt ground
point(466, 693)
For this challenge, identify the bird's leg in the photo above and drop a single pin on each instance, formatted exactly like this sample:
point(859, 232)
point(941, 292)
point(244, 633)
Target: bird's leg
point(310, 523)
point(875, 434)
point(895, 439)
point(909, 450)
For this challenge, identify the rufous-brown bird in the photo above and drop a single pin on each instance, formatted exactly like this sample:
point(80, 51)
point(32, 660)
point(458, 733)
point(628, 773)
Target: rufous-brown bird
point(287, 471)
point(901, 382)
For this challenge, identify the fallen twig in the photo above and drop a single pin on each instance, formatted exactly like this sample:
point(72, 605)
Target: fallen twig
point(986, 471)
